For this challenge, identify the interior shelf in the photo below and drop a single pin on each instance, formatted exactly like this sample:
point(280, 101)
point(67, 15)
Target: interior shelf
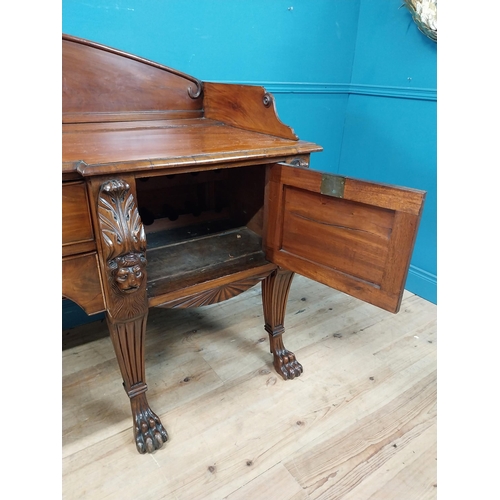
point(174, 263)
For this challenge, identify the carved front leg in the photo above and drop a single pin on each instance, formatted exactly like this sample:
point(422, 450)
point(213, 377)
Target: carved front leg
point(123, 245)
point(128, 341)
point(275, 290)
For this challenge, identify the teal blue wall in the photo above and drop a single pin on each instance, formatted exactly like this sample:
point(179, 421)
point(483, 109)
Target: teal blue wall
point(339, 71)
point(389, 132)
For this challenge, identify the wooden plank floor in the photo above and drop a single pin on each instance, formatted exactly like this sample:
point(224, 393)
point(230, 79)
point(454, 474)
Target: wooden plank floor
point(359, 424)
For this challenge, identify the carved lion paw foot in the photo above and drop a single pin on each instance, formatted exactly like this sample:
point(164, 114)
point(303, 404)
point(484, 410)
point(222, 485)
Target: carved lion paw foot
point(286, 364)
point(149, 432)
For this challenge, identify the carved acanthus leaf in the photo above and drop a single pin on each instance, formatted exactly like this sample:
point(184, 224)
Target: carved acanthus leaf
point(121, 226)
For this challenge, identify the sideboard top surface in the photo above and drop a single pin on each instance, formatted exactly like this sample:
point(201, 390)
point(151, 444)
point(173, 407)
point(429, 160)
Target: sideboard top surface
point(141, 145)
point(122, 113)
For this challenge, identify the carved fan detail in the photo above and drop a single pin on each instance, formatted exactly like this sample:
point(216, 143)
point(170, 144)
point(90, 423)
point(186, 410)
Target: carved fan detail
point(214, 295)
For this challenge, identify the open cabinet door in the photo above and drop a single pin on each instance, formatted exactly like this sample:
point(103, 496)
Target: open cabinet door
point(352, 235)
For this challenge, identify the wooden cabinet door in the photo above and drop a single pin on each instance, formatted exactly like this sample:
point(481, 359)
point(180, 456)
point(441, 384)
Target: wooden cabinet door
point(352, 235)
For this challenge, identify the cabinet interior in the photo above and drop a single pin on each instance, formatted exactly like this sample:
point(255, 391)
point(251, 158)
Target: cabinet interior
point(201, 225)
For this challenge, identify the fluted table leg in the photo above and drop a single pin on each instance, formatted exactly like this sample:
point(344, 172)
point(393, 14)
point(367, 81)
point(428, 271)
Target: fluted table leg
point(275, 290)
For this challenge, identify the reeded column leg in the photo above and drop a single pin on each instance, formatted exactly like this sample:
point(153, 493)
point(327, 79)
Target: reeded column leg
point(123, 244)
point(275, 290)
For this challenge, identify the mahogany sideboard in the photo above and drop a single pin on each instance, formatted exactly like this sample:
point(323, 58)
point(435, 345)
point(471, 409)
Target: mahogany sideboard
point(183, 193)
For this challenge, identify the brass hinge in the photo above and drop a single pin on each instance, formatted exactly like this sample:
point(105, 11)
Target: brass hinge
point(332, 185)
point(296, 162)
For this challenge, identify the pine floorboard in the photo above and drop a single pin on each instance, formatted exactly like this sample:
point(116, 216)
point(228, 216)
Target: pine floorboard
point(358, 424)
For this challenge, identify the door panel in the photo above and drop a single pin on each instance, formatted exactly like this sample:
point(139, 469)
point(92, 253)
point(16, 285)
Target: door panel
point(356, 236)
